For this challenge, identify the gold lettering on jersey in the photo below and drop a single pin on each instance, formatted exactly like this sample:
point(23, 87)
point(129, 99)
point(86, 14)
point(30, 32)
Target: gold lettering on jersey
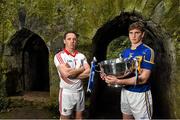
point(139, 60)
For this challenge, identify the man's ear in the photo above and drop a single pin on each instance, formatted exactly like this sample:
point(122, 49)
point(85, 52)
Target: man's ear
point(64, 41)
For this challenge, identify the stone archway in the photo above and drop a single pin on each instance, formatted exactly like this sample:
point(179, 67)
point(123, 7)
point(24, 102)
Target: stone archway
point(35, 65)
point(105, 100)
point(28, 60)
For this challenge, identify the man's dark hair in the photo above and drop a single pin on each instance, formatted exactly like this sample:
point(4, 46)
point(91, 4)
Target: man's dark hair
point(137, 25)
point(77, 35)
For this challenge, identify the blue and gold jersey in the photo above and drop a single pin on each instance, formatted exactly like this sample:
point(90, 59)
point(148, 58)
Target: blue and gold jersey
point(145, 56)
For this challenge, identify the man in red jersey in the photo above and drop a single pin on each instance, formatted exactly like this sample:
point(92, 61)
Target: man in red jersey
point(72, 67)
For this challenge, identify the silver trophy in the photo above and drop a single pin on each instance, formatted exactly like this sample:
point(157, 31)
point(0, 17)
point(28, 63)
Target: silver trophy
point(118, 67)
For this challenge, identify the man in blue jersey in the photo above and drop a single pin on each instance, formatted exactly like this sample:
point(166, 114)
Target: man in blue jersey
point(136, 99)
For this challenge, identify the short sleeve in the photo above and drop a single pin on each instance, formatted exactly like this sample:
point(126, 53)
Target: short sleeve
point(83, 59)
point(58, 59)
point(148, 59)
point(56, 62)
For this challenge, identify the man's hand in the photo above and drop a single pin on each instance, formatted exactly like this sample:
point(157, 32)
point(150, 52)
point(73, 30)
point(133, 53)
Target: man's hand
point(86, 71)
point(102, 75)
point(67, 65)
point(111, 79)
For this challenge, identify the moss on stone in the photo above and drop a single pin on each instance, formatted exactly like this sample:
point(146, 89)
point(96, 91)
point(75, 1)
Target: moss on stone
point(51, 18)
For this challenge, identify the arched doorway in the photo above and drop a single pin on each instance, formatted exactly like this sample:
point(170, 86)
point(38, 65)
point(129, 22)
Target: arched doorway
point(105, 101)
point(35, 65)
point(29, 61)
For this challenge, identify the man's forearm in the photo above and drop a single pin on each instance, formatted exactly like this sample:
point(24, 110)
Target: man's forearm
point(85, 73)
point(74, 73)
point(131, 81)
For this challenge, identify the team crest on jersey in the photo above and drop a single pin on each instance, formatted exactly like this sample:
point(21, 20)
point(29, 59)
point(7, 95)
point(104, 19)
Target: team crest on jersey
point(130, 55)
point(65, 110)
point(69, 61)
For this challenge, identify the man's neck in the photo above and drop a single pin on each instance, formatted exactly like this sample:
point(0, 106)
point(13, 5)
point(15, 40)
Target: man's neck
point(134, 46)
point(70, 50)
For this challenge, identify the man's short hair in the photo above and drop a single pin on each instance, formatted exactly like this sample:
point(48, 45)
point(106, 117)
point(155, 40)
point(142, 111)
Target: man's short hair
point(137, 25)
point(77, 35)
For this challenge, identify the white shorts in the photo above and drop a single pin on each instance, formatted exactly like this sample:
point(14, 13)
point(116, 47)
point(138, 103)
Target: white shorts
point(137, 104)
point(71, 100)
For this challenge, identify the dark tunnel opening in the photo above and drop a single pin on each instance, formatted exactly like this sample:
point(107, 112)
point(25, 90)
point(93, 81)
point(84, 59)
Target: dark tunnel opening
point(28, 59)
point(35, 65)
point(105, 101)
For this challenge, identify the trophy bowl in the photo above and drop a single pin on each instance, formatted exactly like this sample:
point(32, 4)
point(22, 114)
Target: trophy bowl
point(117, 67)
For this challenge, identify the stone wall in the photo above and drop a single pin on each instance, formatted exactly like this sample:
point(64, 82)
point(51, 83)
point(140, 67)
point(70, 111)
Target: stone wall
point(50, 19)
